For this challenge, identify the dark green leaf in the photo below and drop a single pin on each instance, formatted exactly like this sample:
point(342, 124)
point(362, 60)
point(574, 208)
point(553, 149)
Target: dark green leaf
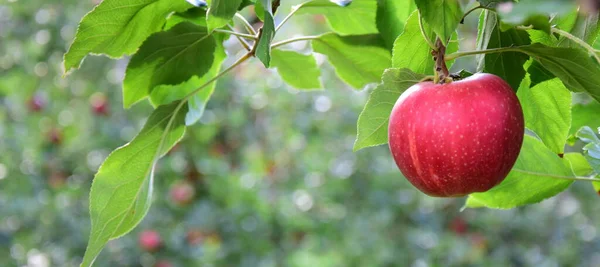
point(168, 58)
point(121, 191)
point(194, 15)
point(538, 174)
point(442, 16)
point(358, 60)
point(220, 12)
point(547, 111)
point(538, 73)
point(537, 22)
point(574, 67)
point(391, 18)
point(298, 70)
point(509, 65)
point(118, 27)
point(263, 50)
point(164, 94)
point(373, 121)
point(357, 18)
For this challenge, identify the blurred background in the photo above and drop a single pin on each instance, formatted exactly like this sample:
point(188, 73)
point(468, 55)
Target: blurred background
point(267, 178)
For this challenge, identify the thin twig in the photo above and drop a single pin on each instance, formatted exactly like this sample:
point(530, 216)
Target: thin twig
point(433, 47)
point(296, 39)
point(241, 40)
point(247, 24)
point(239, 34)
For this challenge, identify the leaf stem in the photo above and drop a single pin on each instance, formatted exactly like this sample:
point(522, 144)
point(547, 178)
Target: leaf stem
point(293, 40)
point(433, 47)
point(580, 42)
point(294, 10)
point(574, 178)
point(478, 52)
point(241, 40)
point(239, 34)
point(247, 24)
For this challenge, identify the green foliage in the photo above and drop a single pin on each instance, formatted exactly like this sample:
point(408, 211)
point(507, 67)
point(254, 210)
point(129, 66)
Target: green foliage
point(168, 58)
point(179, 50)
point(442, 16)
point(547, 111)
point(358, 60)
point(362, 21)
point(373, 120)
point(118, 27)
point(298, 70)
point(122, 189)
point(537, 175)
point(220, 13)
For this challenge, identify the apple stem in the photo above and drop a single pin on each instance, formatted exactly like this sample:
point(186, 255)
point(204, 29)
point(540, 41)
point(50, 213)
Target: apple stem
point(441, 69)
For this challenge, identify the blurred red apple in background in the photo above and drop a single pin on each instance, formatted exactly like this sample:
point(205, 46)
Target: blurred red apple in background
point(150, 240)
point(182, 192)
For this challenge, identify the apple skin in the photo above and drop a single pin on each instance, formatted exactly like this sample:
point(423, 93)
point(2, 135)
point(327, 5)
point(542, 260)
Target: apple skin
point(453, 139)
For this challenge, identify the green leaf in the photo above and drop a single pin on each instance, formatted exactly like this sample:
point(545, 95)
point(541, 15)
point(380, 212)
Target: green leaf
point(195, 15)
point(585, 28)
point(537, 22)
point(519, 13)
point(442, 16)
point(298, 70)
point(118, 27)
point(585, 115)
point(372, 126)
point(391, 18)
point(492, 3)
point(263, 49)
point(579, 165)
point(412, 51)
point(164, 94)
point(358, 60)
point(547, 111)
point(538, 174)
point(357, 18)
point(122, 189)
point(508, 65)
point(220, 12)
point(538, 73)
point(168, 58)
point(573, 67)
point(592, 149)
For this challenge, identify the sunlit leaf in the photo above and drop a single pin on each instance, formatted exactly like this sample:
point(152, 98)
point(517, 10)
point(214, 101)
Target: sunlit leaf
point(122, 189)
point(373, 121)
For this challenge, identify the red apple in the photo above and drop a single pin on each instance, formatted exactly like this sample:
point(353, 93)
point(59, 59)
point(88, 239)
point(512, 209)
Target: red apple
point(150, 240)
point(163, 263)
point(36, 103)
point(453, 139)
point(182, 192)
point(99, 104)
